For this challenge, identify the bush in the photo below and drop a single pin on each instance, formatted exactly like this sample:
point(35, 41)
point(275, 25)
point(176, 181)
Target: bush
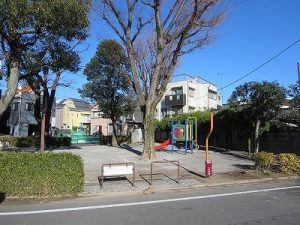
point(34, 141)
point(107, 140)
point(58, 141)
point(12, 141)
point(289, 163)
point(124, 139)
point(263, 160)
point(42, 175)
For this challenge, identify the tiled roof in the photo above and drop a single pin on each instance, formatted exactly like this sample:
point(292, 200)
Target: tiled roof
point(61, 104)
point(80, 104)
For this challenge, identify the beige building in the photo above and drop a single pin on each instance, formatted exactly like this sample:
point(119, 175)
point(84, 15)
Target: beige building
point(186, 96)
point(73, 113)
point(99, 125)
point(124, 124)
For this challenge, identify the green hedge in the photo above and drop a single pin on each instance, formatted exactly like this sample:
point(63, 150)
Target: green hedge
point(34, 141)
point(42, 175)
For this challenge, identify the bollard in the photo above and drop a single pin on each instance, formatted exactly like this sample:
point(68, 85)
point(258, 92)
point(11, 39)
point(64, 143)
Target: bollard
point(208, 168)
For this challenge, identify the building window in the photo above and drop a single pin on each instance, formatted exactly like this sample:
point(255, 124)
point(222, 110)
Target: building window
point(15, 106)
point(29, 106)
point(177, 91)
point(191, 92)
point(97, 114)
point(212, 95)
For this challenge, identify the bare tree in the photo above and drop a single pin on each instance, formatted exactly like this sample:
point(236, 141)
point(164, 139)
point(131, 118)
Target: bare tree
point(156, 34)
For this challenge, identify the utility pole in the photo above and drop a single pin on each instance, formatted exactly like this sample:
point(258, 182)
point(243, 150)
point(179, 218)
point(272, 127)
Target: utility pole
point(221, 91)
point(298, 65)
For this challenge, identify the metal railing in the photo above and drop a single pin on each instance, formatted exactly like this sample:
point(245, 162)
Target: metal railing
point(176, 162)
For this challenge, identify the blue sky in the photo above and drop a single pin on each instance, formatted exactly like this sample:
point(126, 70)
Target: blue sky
point(253, 32)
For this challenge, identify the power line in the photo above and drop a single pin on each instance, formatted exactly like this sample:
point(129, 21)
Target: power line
point(252, 71)
point(262, 65)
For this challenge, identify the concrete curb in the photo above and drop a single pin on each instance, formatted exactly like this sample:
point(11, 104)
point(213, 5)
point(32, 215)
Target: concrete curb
point(156, 189)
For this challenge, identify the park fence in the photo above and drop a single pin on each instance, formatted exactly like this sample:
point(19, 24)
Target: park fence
point(276, 142)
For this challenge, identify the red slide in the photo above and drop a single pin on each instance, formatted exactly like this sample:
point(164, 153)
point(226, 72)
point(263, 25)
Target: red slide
point(163, 145)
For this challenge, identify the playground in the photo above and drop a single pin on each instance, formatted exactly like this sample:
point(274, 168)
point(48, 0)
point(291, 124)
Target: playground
point(192, 166)
point(182, 135)
point(186, 135)
point(179, 160)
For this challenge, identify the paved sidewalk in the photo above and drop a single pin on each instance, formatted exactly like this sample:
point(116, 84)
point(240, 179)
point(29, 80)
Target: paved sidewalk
point(225, 167)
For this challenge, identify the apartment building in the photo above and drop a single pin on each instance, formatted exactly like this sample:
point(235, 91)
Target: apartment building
point(187, 96)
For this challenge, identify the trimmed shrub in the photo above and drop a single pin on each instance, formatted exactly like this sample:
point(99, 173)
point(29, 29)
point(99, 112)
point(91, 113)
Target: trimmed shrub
point(42, 175)
point(124, 138)
point(107, 140)
point(263, 160)
point(34, 141)
point(289, 163)
point(58, 141)
point(12, 141)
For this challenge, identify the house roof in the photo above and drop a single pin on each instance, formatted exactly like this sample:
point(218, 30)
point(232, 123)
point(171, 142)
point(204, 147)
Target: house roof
point(61, 104)
point(79, 104)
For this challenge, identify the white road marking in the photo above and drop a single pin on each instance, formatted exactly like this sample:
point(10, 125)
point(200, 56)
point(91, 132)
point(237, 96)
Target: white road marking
point(143, 203)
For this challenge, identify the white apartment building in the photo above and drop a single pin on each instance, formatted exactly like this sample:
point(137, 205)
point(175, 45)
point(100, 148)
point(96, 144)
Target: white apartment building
point(187, 96)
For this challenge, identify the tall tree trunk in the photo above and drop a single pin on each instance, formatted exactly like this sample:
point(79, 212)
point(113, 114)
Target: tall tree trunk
point(249, 146)
point(11, 87)
point(149, 130)
point(114, 140)
point(50, 100)
point(256, 138)
point(44, 110)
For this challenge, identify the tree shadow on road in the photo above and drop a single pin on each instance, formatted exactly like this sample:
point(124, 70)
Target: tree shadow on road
point(244, 166)
point(130, 149)
point(2, 197)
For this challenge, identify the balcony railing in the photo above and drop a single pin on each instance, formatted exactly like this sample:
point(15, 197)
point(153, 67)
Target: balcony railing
point(175, 100)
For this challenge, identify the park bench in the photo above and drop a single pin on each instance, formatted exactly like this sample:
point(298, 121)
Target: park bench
point(117, 170)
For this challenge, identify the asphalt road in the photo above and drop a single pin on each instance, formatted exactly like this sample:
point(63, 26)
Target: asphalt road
point(264, 203)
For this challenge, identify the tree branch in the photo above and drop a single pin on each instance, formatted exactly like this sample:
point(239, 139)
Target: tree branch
point(115, 13)
point(113, 27)
point(175, 18)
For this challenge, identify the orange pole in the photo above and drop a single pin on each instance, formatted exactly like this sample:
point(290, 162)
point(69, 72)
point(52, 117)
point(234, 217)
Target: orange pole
point(211, 129)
